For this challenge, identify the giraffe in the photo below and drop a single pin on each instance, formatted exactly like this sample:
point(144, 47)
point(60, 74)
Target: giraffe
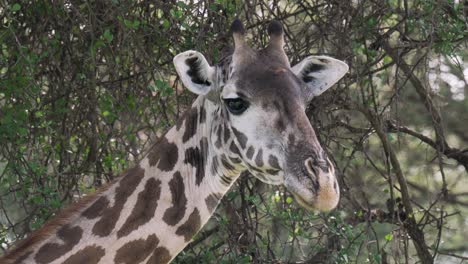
point(249, 116)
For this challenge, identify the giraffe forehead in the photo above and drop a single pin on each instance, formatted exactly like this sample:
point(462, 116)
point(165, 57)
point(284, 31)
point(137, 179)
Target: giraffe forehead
point(266, 83)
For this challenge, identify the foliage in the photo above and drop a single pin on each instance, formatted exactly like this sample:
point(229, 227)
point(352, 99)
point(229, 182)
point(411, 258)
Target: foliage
point(86, 87)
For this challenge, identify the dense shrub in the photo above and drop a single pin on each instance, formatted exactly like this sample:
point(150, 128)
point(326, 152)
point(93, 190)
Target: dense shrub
point(86, 87)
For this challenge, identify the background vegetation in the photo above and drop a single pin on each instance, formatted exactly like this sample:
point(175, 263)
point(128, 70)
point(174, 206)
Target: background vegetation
point(87, 86)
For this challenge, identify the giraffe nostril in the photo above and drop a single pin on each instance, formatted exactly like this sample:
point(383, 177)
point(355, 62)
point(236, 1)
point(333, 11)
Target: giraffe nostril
point(310, 166)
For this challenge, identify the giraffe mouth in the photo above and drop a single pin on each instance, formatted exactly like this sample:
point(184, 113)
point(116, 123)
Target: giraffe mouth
point(314, 198)
point(302, 202)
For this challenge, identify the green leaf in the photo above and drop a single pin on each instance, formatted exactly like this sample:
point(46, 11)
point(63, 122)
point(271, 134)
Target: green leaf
point(39, 114)
point(166, 24)
point(128, 23)
point(390, 137)
point(289, 200)
point(377, 258)
point(108, 36)
point(387, 59)
point(163, 87)
point(371, 22)
point(297, 230)
point(277, 197)
point(132, 24)
point(389, 237)
point(152, 88)
point(15, 7)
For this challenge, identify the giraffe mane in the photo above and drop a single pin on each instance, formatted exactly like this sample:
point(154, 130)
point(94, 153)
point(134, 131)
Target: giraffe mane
point(20, 249)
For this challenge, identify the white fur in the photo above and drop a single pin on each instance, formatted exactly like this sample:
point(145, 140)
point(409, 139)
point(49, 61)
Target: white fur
point(333, 71)
point(206, 71)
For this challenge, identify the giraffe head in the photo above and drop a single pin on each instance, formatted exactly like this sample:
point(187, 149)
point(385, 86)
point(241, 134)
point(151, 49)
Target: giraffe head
point(259, 123)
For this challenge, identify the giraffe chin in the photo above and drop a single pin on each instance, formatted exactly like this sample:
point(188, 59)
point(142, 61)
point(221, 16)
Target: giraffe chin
point(324, 200)
point(314, 206)
point(314, 190)
point(304, 204)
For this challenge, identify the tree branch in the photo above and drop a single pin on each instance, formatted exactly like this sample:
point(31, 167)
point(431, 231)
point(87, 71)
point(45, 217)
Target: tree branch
point(410, 224)
point(461, 156)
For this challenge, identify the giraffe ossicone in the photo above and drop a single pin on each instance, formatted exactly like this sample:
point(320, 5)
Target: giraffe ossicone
point(249, 116)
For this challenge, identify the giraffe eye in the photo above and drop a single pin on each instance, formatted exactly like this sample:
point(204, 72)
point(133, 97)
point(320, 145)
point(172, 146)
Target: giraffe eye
point(236, 105)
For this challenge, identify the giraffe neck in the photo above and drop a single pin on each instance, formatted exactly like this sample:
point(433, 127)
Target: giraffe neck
point(153, 210)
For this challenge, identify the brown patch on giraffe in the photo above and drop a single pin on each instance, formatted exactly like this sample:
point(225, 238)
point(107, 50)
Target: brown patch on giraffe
point(280, 125)
point(197, 158)
point(144, 209)
point(218, 142)
point(260, 176)
point(226, 180)
point(277, 105)
point(202, 114)
point(235, 160)
point(273, 161)
point(127, 186)
point(191, 226)
point(165, 153)
point(191, 123)
point(136, 251)
point(234, 149)
point(180, 121)
point(272, 172)
point(212, 201)
point(259, 158)
point(227, 134)
point(97, 208)
point(204, 148)
point(214, 165)
point(89, 255)
point(255, 169)
point(52, 251)
point(241, 137)
point(225, 162)
point(22, 258)
point(250, 152)
point(174, 214)
point(160, 256)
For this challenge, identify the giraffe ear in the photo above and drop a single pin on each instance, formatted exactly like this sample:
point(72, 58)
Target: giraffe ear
point(320, 73)
point(195, 72)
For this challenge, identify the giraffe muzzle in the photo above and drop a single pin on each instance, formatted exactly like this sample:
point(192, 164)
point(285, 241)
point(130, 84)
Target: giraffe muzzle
point(314, 187)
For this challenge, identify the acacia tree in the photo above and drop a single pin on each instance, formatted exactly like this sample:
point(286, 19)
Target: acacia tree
point(85, 88)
